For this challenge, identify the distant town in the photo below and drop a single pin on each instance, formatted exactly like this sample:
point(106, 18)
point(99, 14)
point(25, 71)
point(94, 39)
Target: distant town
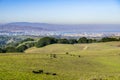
point(74, 31)
point(57, 33)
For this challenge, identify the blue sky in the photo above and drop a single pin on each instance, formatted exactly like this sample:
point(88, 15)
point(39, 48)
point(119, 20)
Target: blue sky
point(61, 11)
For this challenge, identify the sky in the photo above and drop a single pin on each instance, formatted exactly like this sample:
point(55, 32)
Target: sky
point(61, 11)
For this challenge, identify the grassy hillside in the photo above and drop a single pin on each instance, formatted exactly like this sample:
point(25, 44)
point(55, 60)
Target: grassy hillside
point(97, 61)
point(83, 49)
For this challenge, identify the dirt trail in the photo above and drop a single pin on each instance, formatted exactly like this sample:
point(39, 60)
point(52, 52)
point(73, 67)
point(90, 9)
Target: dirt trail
point(85, 48)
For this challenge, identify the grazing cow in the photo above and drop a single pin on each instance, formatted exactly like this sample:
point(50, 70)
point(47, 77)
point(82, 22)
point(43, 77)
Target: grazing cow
point(47, 73)
point(54, 74)
point(38, 72)
point(41, 71)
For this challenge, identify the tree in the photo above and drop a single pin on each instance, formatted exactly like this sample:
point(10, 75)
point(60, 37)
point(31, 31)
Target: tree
point(72, 41)
point(89, 40)
point(1, 51)
point(94, 41)
point(28, 39)
point(63, 41)
point(83, 40)
point(45, 41)
point(13, 44)
point(107, 39)
point(29, 44)
point(10, 49)
point(21, 48)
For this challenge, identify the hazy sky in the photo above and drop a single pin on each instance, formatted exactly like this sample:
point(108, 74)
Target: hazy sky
point(60, 11)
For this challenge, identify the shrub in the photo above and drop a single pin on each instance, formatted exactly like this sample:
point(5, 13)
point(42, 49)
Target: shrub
point(53, 56)
point(67, 53)
point(79, 56)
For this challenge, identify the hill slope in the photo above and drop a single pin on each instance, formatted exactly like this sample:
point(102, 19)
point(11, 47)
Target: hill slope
point(93, 48)
point(98, 61)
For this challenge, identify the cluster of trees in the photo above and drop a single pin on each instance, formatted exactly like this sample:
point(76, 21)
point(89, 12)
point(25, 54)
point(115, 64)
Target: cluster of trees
point(27, 39)
point(9, 40)
point(2, 50)
point(46, 41)
point(27, 43)
point(49, 40)
point(3, 40)
point(20, 47)
point(108, 39)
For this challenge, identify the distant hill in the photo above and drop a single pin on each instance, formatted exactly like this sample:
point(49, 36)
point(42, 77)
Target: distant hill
point(19, 27)
point(60, 27)
point(44, 29)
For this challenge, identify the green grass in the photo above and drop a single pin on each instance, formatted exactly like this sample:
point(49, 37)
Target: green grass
point(98, 61)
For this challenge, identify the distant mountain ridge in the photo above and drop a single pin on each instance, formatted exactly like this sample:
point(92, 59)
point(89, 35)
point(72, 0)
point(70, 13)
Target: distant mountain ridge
point(19, 27)
point(59, 27)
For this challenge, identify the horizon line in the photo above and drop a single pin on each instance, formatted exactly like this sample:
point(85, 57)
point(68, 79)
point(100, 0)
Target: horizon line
point(60, 23)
